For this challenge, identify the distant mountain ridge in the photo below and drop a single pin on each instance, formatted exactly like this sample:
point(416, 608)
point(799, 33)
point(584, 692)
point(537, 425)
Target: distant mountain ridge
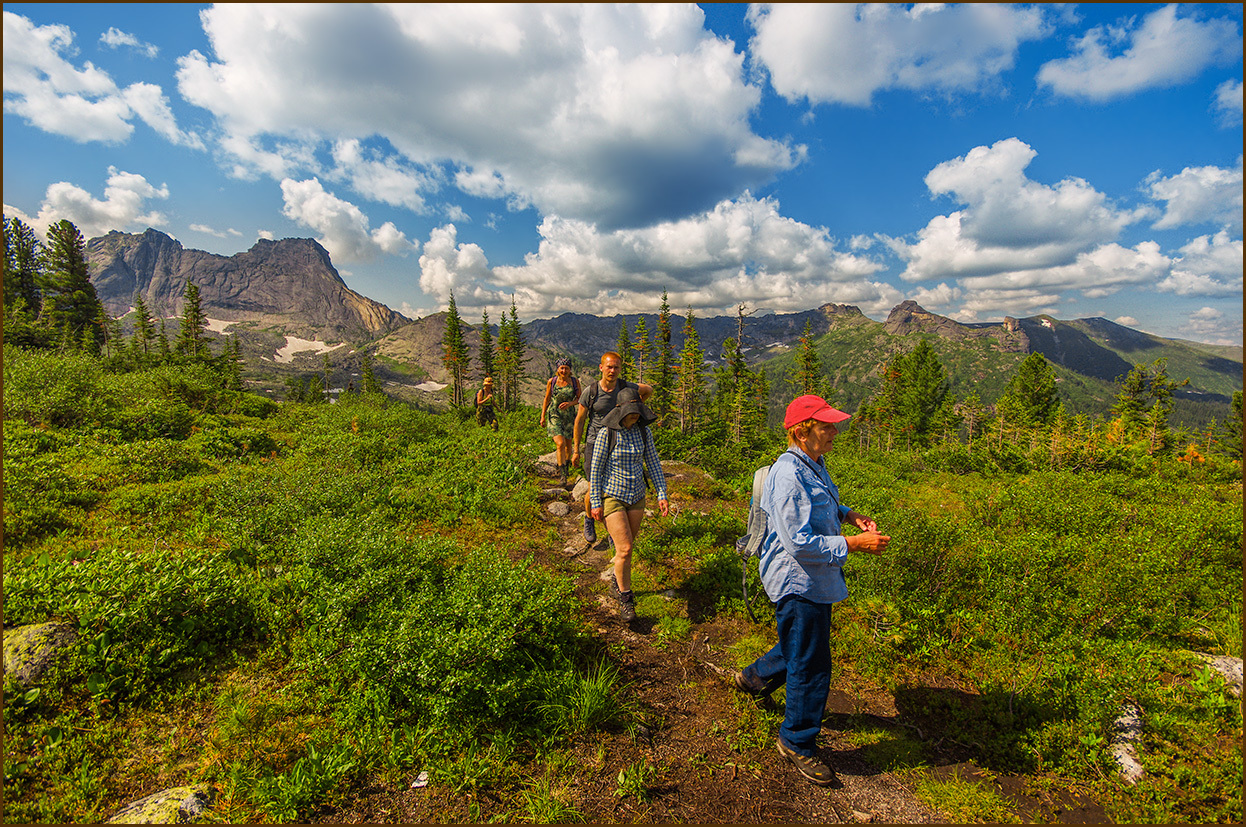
point(289, 284)
point(291, 287)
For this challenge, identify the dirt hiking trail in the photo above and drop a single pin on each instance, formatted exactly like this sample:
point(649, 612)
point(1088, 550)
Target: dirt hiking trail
point(710, 757)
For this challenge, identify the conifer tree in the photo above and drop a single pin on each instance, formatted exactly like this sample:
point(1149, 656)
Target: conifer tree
point(21, 266)
point(624, 348)
point(486, 345)
point(1031, 397)
point(691, 386)
point(144, 337)
point(70, 302)
point(808, 375)
point(662, 379)
point(370, 385)
point(163, 342)
point(1144, 403)
point(233, 366)
point(641, 347)
point(515, 373)
point(454, 353)
point(192, 340)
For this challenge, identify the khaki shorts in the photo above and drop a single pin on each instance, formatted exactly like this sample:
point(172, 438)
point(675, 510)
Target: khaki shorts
point(611, 505)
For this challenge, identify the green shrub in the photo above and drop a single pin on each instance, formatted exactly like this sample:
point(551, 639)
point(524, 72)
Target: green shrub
point(51, 388)
point(142, 615)
point(450, 638)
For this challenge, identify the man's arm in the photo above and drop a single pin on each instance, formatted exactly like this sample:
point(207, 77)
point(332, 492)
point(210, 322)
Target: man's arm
point(645, 391)
point(581, 414)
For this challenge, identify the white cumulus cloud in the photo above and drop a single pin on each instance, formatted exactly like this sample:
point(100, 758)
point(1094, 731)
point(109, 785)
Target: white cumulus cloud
point(83, 104)
point(619, 115)
point(1163, 50)
point(1207, 266)
point(846, 52)
point(743, 250)
point(122, 208)
point(343, 228)
point(114, 38)
point(1010, 222)
point(1228, 103)
point(1199, 194)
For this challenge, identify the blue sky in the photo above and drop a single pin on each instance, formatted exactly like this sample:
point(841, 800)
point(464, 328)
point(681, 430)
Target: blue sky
point(1076, 160)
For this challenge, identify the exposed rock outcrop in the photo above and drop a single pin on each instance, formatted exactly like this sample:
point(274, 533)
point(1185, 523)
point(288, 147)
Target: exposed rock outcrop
point(29, 650)
point(289, 284)
point(174, 806)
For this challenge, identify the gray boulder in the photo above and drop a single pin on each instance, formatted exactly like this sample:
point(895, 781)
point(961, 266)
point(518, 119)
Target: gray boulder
point(29, 650)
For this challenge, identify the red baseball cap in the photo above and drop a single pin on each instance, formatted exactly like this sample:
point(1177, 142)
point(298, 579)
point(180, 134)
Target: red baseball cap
point(812, 407)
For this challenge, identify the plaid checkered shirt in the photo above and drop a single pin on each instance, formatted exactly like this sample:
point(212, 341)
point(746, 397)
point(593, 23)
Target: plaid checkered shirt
point(620, 473)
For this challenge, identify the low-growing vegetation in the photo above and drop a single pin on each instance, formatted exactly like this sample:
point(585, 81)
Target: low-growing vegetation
point(294, 601)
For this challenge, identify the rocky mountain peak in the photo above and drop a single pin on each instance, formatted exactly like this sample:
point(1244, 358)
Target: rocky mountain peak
point(289, 284)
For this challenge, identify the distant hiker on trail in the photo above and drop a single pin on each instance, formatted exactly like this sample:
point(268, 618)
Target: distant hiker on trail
point(623, 455)
point(599, 399)
point(801, 566)
point(558, 410)
point(484, 405)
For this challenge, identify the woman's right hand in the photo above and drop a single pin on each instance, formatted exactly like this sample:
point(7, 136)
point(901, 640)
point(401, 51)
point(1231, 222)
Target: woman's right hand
point(871, 542)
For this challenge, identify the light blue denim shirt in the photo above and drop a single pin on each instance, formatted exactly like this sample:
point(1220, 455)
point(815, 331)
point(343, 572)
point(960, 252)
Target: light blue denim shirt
point(803, 552)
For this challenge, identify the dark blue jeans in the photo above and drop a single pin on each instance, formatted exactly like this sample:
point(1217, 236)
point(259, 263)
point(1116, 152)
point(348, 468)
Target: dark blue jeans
point(801, 660)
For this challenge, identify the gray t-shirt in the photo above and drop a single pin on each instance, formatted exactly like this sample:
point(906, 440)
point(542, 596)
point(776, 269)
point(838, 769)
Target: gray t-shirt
point(604, 404)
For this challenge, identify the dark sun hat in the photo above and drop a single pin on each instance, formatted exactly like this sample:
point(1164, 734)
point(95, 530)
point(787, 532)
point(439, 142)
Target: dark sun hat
point(628, 402)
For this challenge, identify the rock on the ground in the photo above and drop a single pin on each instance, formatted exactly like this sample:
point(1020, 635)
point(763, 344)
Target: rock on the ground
point(29, 650)
point(1128, 731)
point(1228, 666)
point(580, 490)
point(558, 509)
point(174, 806)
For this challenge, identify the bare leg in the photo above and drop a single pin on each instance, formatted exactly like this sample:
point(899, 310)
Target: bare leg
point(623, 527)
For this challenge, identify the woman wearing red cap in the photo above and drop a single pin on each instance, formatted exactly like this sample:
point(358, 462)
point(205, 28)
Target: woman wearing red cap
point(801, 565)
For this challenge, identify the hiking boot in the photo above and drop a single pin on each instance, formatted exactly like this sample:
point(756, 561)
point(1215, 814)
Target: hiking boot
point(811, 768)
point(627, 607)
point(590, 530)
point(562, 473)
point(746, 686)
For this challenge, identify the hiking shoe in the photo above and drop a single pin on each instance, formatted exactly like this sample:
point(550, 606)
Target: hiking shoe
point(590, 530)
point(744, 685)
point(627, 607)
point(811, 768)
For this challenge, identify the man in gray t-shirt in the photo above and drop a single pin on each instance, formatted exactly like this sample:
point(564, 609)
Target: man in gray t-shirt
point(597, 400)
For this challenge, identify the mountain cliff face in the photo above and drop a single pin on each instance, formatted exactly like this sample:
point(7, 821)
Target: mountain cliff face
point(290, 285)
point(909, 317)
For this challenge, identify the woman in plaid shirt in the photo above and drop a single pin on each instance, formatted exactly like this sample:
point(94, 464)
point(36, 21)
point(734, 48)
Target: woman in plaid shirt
point(616, 489)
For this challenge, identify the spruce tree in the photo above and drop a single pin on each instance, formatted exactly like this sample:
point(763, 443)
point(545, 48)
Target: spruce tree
point(662, 379)
point(515, 372)
point(370, 385)
point(624, 348)
point(1031, 395)
point(21, 265)
point(192, 340)
point(70, 302)
point(454, 353)
point(808, 375)
point(641, 347)
point(486, 345)
point(691, 386)
point(144, 338)
point(162, 340)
